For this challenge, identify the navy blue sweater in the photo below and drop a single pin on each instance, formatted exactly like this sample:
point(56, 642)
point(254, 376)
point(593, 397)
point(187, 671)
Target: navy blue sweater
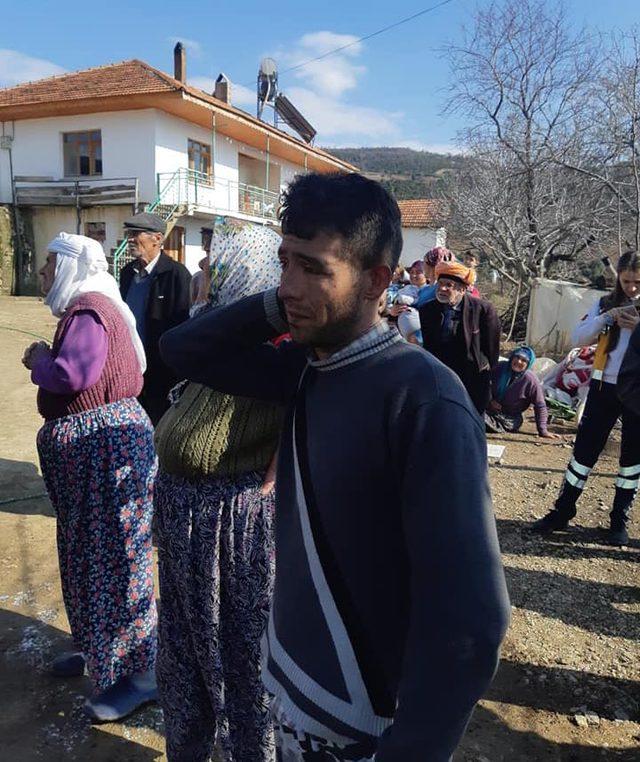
point(390, 602)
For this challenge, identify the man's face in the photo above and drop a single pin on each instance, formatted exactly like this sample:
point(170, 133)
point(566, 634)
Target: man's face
point(144, 245)
point(470, 261)
point(47, 273)
point(322, 293)
point(450, 291)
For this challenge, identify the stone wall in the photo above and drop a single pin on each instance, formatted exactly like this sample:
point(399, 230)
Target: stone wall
point(6, 250)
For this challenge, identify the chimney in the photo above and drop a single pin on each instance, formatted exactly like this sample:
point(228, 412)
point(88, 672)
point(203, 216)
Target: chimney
point(180, 63)
point(223, 88)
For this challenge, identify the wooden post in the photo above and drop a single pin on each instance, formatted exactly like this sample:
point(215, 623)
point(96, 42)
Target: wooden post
point(268, 156)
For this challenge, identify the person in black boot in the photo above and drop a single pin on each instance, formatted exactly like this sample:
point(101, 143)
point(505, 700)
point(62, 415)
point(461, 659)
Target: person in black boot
point(610, 322)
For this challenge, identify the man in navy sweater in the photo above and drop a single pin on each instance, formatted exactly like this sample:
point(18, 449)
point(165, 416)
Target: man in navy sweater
point(390, 602)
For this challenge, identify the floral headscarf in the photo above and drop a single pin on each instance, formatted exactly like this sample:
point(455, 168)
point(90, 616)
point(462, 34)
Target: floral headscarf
point(244, 261)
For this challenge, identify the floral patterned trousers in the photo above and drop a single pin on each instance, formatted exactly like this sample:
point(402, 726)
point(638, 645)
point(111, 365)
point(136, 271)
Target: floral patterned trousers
point(99, 467)
point(216, 557)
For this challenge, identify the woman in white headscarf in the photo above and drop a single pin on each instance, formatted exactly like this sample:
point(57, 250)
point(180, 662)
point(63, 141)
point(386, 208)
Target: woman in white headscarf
point(98, 462)
point(215, 543)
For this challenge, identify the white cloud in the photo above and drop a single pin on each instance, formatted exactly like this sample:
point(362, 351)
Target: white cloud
point(324, 90)
point(334, 118)
point(193, 46)
point(332, 76)
point(16, 68)
point(240, 95)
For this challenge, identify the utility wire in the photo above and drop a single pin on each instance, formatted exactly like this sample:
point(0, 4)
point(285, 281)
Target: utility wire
point(366, 37)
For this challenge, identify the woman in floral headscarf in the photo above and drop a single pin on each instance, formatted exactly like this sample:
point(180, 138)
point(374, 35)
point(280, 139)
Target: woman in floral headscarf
point(215, 543)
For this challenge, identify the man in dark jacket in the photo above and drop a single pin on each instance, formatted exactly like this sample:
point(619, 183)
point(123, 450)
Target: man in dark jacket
point(389, 602)
point(629, 375)
point(156, 288)
point(463, 332)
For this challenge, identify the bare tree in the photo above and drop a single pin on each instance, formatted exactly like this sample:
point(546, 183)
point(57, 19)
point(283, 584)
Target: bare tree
point(518, 78)
point(606, 146)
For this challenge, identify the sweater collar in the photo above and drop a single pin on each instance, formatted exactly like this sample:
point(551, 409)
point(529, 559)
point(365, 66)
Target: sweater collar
point(377, 338)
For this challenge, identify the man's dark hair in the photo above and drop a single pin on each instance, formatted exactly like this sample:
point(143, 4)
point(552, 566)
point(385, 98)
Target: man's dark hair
point(358, 209)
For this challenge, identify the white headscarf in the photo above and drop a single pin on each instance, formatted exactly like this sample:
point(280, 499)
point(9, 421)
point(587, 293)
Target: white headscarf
point(81, 268)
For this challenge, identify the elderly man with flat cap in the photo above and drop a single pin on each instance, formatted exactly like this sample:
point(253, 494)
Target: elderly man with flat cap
point(462, 331)
point(156, 288)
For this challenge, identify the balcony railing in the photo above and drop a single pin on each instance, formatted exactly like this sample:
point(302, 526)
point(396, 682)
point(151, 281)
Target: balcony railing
point(75, 191)
point(197, 190)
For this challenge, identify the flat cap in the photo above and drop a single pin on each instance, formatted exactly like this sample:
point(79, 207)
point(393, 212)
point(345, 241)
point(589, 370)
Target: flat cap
point(147, 221)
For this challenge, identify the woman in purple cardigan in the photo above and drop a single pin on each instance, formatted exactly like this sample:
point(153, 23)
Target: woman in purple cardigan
point(514, 388)
point(98, 463)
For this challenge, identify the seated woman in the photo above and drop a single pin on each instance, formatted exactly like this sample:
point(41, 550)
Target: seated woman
point(514, 388)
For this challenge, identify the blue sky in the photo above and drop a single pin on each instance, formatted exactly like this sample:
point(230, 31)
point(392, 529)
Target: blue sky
point(386, 91)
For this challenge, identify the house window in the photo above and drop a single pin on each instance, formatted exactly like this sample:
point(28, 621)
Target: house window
point(200, 157)
point(82, 153)
point(96, 230)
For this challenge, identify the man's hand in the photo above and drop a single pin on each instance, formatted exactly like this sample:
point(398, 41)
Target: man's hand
point(33, 353)
point(495, 406)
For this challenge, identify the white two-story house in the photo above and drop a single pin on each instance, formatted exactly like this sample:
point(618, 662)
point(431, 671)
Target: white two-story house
point(81, 152)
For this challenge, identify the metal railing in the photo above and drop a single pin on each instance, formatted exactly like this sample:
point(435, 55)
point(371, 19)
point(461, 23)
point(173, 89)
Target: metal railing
point(187, 189)
point(75, 191)
point(218, 194)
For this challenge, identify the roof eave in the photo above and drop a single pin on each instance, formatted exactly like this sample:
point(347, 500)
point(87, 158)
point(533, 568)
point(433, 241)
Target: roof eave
point(167, 101)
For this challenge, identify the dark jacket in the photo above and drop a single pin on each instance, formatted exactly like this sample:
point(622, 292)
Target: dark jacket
point(629, 375)
point(369, 514)
point(167, 307)
point(480, 340)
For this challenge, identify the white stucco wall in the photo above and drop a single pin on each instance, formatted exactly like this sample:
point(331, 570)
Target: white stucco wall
point(416, 242)
point(48, 221)
point(127, 147)
point(139, 143)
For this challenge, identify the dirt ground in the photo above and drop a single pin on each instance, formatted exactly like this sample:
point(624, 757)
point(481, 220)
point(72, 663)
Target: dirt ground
point(568, 687)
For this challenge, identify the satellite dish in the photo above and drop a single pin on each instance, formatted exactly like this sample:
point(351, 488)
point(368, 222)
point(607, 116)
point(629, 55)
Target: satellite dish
point(283, 110)
point(267, 84)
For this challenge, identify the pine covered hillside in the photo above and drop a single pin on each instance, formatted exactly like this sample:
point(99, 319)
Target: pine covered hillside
point(405, 172)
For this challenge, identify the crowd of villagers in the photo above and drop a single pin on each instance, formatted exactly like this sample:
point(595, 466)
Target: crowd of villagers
point(303, 354)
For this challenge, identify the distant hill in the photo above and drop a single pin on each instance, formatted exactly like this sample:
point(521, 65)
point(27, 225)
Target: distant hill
point(405, 172)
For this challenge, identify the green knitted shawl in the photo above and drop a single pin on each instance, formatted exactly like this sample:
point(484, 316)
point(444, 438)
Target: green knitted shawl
point(207, 433)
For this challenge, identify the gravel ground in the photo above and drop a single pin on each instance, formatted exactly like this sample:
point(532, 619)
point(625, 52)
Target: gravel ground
point(568, 684)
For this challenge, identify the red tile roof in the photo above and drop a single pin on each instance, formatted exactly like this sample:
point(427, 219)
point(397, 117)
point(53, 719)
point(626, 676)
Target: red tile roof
point(421, 213)
point(128, 78)
point(125, 78)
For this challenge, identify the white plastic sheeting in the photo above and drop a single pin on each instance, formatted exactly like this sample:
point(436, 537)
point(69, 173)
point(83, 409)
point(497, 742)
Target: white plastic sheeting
point(556, 307)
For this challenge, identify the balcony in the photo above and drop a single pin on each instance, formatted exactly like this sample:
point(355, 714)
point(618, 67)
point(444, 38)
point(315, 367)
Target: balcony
point(197, 192)
point(79, 192)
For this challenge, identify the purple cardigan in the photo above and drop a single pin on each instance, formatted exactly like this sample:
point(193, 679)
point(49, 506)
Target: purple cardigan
point(81, 358)
point(520, 395)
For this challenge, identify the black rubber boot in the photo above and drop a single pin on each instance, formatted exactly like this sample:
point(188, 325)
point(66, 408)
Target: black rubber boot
point(618, 536)
point(619, 516)
point(554, 521)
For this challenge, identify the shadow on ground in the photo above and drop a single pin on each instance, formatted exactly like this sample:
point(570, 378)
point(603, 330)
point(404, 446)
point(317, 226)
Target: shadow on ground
point(577, 542)
point(490, 738)
point(52, 708)
point(22, 489)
